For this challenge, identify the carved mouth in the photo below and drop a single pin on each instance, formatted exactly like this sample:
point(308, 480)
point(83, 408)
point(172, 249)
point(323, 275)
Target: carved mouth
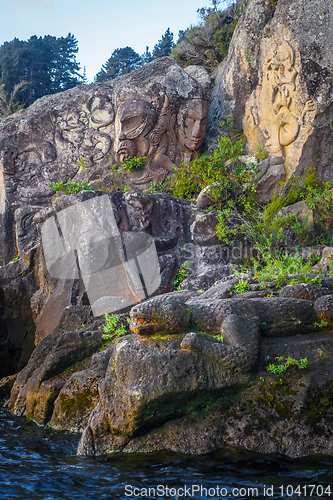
point(142, 325)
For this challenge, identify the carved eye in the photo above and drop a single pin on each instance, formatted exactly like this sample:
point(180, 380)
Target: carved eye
point(190, 121)
point(27, 220)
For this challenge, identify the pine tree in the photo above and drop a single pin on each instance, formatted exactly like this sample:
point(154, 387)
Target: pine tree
point(164, 46)
point(48, 63)
point(122, 61)
point(84, 77)
point(146, 57)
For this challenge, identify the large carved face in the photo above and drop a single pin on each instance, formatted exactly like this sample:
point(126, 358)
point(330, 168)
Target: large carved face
point(192, 122)
point(135, 119)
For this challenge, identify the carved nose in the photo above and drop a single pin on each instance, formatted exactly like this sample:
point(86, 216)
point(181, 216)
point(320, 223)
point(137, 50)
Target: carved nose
point(122, 136)
point(196, 129)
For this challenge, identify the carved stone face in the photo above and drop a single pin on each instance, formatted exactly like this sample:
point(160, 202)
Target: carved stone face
point(135, 119)
point(159, 315)
point(192, 122)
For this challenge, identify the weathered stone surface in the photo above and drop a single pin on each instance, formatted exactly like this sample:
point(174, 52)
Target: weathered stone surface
point(303, 212)
point(324, 308)
point(271, 174)
point(147, 383)
point(54, 360)
point(79, 396)
point(324, 265)
point(200, 75)
point(277, 83)
point(237, 75)
point(6, 385)
point(142, 392)
point(158, 112)
point(221, 289)
point(17, 328)
point(283, 414)
point(306, 291)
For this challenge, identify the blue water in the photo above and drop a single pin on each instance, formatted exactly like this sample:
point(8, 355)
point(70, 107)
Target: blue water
point(37, 463)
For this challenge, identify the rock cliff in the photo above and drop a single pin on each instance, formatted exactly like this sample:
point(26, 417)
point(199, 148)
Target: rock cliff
point(205, 366)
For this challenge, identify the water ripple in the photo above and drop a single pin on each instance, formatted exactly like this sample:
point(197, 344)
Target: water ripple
point(40, 464)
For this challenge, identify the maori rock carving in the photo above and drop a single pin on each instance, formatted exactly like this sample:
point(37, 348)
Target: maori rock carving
point(134, 120)
point(240, 321)
point(279, 114)
point(192, 124)
point(164, 137)
point(136, 114)
point(81, 130)
point(26, 229)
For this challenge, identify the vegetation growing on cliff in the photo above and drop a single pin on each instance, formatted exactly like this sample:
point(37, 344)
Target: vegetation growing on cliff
point(208, 44)
point(70, 187)
point(228, 179)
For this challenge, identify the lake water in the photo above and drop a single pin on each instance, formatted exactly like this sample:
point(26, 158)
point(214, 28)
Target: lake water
point(40, 464)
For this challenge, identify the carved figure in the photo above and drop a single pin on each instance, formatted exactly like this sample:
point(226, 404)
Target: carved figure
point(26, 229)
point(69, 130)
point(240, 321)
point(143, 131)
point(276, 110)
point(192, 124)
point(134, 120)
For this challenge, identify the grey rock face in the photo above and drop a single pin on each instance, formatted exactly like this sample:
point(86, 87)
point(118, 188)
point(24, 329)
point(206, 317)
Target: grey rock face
point(159, 112)
point(277, 83)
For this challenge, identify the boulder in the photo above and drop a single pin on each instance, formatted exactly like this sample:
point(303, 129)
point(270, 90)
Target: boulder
point(79, 396)
point(52, 363)
point(324, 308)
point(147, 383)
point(325, 264)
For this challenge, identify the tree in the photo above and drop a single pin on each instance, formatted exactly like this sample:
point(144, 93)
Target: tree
point(208, 44)
point(122, 61)
point(48, 63)
point(146, 57)
point(164, 46)
point(181, 35)
point(84, 77)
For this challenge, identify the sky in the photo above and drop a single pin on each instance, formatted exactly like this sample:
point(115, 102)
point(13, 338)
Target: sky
point(100, 26)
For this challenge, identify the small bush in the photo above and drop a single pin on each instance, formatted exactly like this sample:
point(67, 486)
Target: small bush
point(136, 162)
point(70, 187)
point(289, 362)
point(242, 286)
point(181, 275)
point(113, 329)
point(230, 179)
point(266, 231)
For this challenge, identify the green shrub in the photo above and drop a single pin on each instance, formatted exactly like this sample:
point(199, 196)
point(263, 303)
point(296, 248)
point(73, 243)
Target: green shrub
point(113, 329)
point(136, 162)
point(266, 230)
point(261, 155)
point(230, 179)
point(242, 286)
point(289, 362)
point(181, 275)
point(70, 187)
